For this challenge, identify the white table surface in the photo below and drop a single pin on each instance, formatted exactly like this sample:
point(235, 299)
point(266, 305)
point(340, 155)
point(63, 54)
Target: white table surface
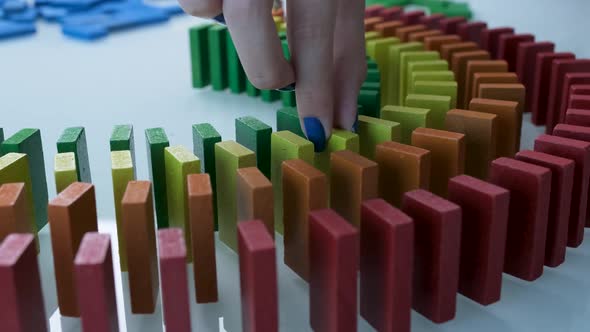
point(142, 77)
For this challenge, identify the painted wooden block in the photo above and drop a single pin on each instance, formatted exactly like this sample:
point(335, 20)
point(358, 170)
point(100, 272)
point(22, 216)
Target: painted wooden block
point(258, 278)
point(288, 98)
point(74, 140)
point(388, 28)
point(447, 89)
point(579, 102)
point(392, 13)
point(501, 91)
point(577, 117)
point(339, 140)
point(21, 303)
point(217, 43)
point(14, 168)
point(401, 168)
point(573, 101)
point(269, 96)
point(370, 100)
point(122, 171)
point(1, 138)
point(95, 282)
point(434, 66)
point(471, 31)
point(483, 236)
point(305, 189)
point(526, 61)
point(419, 36)
point(437, 231)
point(371, 22)
point(157, 141)
point(447, 50)
point(14, 210)
point(288, 119)
point(255, 197)
point(199, 49)
point(386, 265)
point(436, 42)
point(64, 170)
point(255, 135)
point(334, 259)
point(200, 210)
point(432, 21)
point(480, 66)
point(438, 106)
point(459, 62)
point(491, 78)
point(405, 59)
point(172, 253)
point(140, 240)
point(285, 145)
point(393, 76)
point(409, 118)
point(380, 53)
point(251, 90)
point(71, 215)
point(204, 138)
point(122, 139)
point(404, 32)
point(236, 77)
point(411, 17)
point(431, 76)
point(180, 162)
point(490, 39)
point(373, 131)
point(450, 25)
point(28, 141)
point(508, 47)
point(509, 119)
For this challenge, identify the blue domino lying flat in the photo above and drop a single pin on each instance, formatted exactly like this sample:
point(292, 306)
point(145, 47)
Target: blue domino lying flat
point(10, 29)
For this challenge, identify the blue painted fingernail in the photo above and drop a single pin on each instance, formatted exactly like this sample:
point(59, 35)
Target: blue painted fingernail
point(355, 125)
point(315, 133)
point(289, 87)
point(220, 18)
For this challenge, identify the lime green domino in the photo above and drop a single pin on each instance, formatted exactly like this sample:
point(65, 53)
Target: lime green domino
point(285, 145)
point(122, 139)
point(433, 76)
point(438, 88)
point(409, 118)
point(229, 156)
point(392, 76)
point(14, 167)
point(371, 35)
point(373, 131)
point(405, 59)
point(64, 170)
point(382, 58)
point(438, 105)
point(340, 140)
point(423, 66)
point(179, 162)
point(122, 171)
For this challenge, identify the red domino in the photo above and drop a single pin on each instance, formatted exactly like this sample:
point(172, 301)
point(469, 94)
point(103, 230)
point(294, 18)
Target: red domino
point(483, 236)
point(21, 302)
point(411, 17)
point(490, 39)
point(508, 48)
point(529, 186)
point(258, 278)
point(174, 280)
point(579, 152)
point(580, 89)
point(559, 69)
point(526, 57)
point(387, 262)
point(333, 253)
point(437, 241)
point(450, 25)
point(471, 31)
point(540, 92)
point(577, 117)
point(95, 281)
point(432, 21)
point(567, 100)
point(374, 10)
point(562, 181)
point(580, 102)
point(392, 13)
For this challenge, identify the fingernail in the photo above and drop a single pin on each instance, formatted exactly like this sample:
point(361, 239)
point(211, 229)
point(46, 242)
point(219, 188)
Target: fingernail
point(289, 87)
point(220, 18)
point(315, 133)
point(355, 125)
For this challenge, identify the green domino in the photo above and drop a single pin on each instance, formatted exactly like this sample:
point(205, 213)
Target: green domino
point(1, 137)
point(438, 106)
point(204, 138)
point(439, 89)
point(409, 118)
point(286, 52)
point(368, 85)
point(269, 95)
point(288, 119)
point(373, 131)
point(157, 141)
point(236, 77)
point(64, 170)
point(74, 140)
point(433, 76)
point(381, 56)
point(28, 141)
point(288, 98)
point(122, 171)
point(371, 64)
point(285, 145)
point(14, 167)
point(217, 37)
point(199, 47)
point(229, 156)
point(369, 100)
point(373, 75)
point(255, 135)
point(405, 59)
point(180, 162)
point(122, 139)
point(251, 90)
point(393, 76)
point(339, 140)
point(423, 66)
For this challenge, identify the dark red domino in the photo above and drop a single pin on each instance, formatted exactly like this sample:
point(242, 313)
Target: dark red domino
point(333, 253)
point(387, 262)
point(450, 25)
point(391, 14)
point(483, 236)
point(258, 278)
point(526, 60)
point(411, 17)
point(580, 102)
point(508, 47)
point(577, 117)
point(174, 280)
point(374, 10)
point(579, 152)
point(562, 181)
point(437, 225)
point(580, 89)
point(471, 31)
point(540, 92)
point(490, 39)
point(568, 101)
point(529, 187)
point(95, 281)
point(21, 299)
point(431, 21)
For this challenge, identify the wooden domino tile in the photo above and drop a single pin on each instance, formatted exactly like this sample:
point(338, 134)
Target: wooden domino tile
point(255, 135)
point(405, 59)
point(459, 63)
point(388, 28)
point(14, 168)
point(371, 22)
point(373, 131)
point(391, 13)
point(577, 117)
point(386, 265)
point(471, 31)
point(64, 170)
point(485, 78)
point(411, 17)
point(333, 252)
point(373, 10)
point(393, 77)
point(74, 140)
point(567, 101)
point(509, 119)
point(510, 92)
point(508, 47)
point(122, 139)
point(490, 39)
point(338, 141)
point(122, 171)
point(21, 303)
point(450, 25)
point(436, 42)
point(140, 240)
point(432, 21)
point(438, 106)
point(530, 187)
point(562, 181)
point(71, 215)
point(579, 102)
point(204, 139)
point(14, 210)
point(96, 283)
point(258, 278)
point(447, 50)
point(172, 254)
point(199, 50)
point(419, 36)
point(480, 66)
point(255, 197)
point(437, 231)
point(580, 89)
point(526, 61)
point(157, 141)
